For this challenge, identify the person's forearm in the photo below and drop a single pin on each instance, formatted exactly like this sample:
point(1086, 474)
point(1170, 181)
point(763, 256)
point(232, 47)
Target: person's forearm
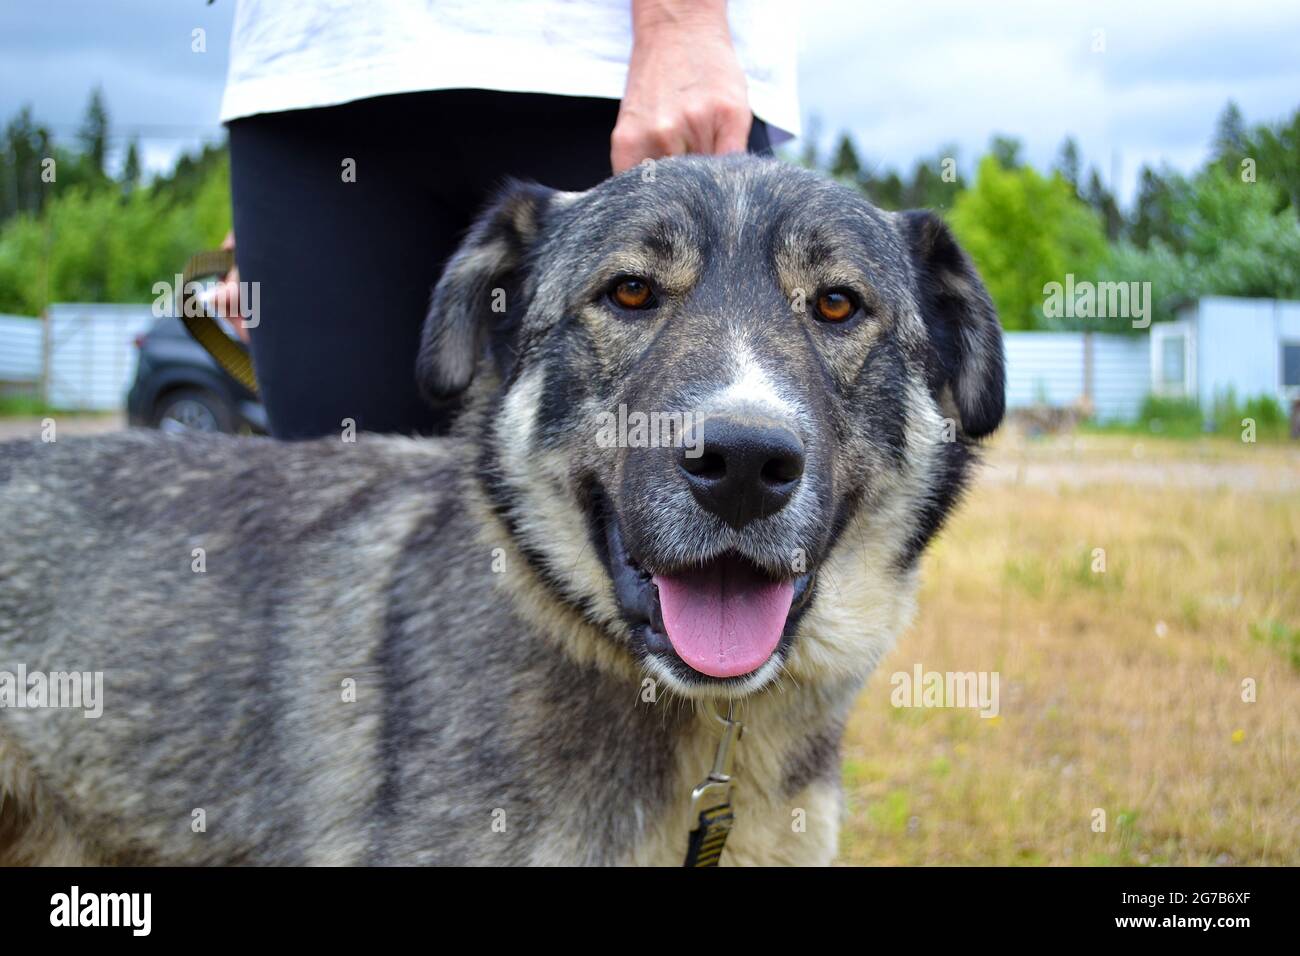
point(685, 92)
point(651, 16)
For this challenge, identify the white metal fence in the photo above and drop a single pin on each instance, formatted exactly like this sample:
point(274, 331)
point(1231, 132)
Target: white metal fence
point(81, 356)
point(91, 353)
point(1059, 368)
point(20, 353)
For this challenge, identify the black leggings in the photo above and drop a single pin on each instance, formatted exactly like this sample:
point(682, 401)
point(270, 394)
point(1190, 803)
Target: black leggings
point(345, 268)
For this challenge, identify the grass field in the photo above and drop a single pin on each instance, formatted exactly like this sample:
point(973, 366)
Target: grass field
point(1120, 690)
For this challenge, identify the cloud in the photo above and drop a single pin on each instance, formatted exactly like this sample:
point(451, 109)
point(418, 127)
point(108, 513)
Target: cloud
point(906, 77)
point(53, 53)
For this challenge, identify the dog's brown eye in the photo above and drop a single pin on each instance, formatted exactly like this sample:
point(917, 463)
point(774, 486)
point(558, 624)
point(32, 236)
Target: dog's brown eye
point(632, 294)
point(836, 305)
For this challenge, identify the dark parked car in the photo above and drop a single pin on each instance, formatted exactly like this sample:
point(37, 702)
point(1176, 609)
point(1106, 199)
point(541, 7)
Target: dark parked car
point(179, 387)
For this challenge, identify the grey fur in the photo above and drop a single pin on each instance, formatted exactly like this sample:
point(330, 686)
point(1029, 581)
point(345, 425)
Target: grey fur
point(501, 712)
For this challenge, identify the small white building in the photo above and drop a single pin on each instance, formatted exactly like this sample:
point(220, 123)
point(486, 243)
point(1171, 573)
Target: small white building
point(1217, 344)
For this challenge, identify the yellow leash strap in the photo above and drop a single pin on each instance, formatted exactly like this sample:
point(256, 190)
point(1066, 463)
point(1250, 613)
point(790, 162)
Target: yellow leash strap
point(230, 354)
point(711, 800)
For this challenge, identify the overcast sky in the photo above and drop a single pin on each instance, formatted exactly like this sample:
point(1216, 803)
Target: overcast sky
point(904, 76)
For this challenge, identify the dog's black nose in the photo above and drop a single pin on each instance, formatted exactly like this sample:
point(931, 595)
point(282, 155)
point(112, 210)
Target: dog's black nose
point(742, 471)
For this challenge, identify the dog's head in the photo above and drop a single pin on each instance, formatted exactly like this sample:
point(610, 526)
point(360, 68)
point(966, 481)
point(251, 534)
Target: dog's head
point(723, 406)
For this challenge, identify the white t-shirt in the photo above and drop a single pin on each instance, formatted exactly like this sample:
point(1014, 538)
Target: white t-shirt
point(295, 55)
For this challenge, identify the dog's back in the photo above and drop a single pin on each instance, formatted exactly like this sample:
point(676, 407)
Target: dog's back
point(226, 590)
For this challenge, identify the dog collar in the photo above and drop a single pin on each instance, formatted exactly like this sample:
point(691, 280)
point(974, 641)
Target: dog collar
point(711, 800)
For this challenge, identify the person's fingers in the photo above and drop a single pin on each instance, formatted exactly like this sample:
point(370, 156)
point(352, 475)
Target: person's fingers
point(635, 140)
point(731, 132)
point(226, 299)
point(623, 149)
point(700, 122)
point(226, 296)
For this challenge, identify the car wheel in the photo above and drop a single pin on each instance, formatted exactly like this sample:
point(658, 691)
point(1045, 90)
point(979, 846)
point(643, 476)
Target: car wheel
point(193, 410)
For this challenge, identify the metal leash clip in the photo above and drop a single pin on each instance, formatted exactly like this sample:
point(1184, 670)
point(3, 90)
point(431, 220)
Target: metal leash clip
point(711, 800)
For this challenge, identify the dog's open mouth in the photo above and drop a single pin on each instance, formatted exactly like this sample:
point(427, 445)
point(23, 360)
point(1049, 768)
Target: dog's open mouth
point(723, 619)
point(726, 618)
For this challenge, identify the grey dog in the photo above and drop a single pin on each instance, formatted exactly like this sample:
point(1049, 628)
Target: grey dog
point(713, 412)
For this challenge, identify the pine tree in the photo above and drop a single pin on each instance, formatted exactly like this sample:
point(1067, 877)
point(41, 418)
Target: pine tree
point(1006, 150)
point(1229, 136)
point(94, 131)
point(1068, 163)
point(131, 168)
point(1103, 203)
point(845, 163)
point(25, 146)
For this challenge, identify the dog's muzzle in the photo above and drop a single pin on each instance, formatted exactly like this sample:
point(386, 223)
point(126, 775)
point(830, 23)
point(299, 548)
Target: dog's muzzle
point(741, 471)
point(721, 620)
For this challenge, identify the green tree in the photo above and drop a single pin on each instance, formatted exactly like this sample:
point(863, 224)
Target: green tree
point(1158, 193)
point(1068, 162)
point(131, 168)
point(1275, 149)
point(1229, 144)
point(94, 132)
point(95, 245)
point(845, 164)
point(886, 191)
point(1103, 203)
point(1006, 150)
point(1234, 241)
point(25, 145)
point(928, 188)
point(1025, 230)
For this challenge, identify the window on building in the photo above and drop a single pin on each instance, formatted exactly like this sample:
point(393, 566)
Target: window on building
point(1291, 364)
point(1173, 351)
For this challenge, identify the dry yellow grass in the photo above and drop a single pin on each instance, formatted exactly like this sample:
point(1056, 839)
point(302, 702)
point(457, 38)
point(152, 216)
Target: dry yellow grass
point(1120, 691)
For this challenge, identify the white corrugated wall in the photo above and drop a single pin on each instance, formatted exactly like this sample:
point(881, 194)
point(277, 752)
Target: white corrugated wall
point(1239, 345)
point(20, 348)
point(1235, 347)
point(1121, 373)
point(1048, 368)
point(92, 353)
point(1044, 368)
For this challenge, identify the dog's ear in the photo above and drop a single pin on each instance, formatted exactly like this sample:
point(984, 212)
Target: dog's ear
point(962, 323)
point(480, 285)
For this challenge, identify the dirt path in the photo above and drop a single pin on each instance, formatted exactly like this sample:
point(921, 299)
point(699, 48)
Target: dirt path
point(12, 429)
point(1077, 463)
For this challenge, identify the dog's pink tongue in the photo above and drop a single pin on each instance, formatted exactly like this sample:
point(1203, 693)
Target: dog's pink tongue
point(725, 619)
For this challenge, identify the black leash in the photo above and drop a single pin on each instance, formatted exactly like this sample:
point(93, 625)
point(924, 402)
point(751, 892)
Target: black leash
point(711, 800)
point(231, 355)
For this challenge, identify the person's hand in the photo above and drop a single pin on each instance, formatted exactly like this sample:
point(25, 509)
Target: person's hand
point(686, 92)
point(226, 295)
